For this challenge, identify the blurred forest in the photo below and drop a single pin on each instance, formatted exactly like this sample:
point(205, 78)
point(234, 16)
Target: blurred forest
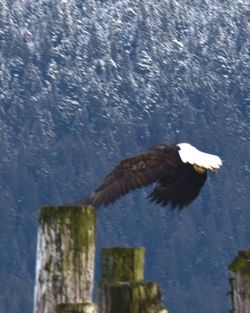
point(86, 83)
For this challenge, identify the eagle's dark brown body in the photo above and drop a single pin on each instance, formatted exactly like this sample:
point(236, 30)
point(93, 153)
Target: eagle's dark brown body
point(177, 183)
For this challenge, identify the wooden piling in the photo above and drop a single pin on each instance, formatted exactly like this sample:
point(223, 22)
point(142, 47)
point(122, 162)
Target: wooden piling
point(122, 264)
point(122, 289)
point(76, 308)
point(65, 257)
point(239, 279)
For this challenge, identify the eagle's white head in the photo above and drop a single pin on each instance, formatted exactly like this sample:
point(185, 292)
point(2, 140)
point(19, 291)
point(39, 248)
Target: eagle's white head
point(200, 160)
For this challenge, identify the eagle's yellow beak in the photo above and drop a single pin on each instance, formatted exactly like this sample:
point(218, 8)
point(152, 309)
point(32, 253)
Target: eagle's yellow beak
point(213, 170)
point(199, 169)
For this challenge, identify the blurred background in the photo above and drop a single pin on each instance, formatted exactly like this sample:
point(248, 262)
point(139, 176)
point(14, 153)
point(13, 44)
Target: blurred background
point(84, 84)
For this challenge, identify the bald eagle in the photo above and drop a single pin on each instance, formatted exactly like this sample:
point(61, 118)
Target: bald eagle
point(178, 171)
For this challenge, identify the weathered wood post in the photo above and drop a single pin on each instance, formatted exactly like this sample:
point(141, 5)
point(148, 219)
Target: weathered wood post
point(239, 279)
point(65, 260)
point(122, 289)
point(76, 308)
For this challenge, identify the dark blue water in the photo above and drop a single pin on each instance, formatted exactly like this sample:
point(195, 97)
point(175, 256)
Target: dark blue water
point(86, 83)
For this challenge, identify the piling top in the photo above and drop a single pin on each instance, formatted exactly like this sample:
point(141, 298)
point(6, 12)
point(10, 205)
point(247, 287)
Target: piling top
point(241, 263)
point(122, 264)
point(63, 211)
point(78, 220)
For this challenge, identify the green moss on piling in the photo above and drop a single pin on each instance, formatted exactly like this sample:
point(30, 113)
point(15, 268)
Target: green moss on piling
point(48, 264)
point(135, 298)
point(79, 223)
point(74, 308)
point(80, 220)
point(241, 264)
point(122, 264)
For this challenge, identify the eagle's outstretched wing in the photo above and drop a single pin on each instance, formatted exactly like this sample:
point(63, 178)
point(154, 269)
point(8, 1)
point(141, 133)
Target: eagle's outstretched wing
point(179, 187)
point(135, 172)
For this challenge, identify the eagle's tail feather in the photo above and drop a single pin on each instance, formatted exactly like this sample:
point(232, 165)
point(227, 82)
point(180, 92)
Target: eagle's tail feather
point(85, 200)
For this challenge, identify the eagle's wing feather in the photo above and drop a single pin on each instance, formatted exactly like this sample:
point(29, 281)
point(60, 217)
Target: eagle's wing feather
point(179, 188)
point(135, 172)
